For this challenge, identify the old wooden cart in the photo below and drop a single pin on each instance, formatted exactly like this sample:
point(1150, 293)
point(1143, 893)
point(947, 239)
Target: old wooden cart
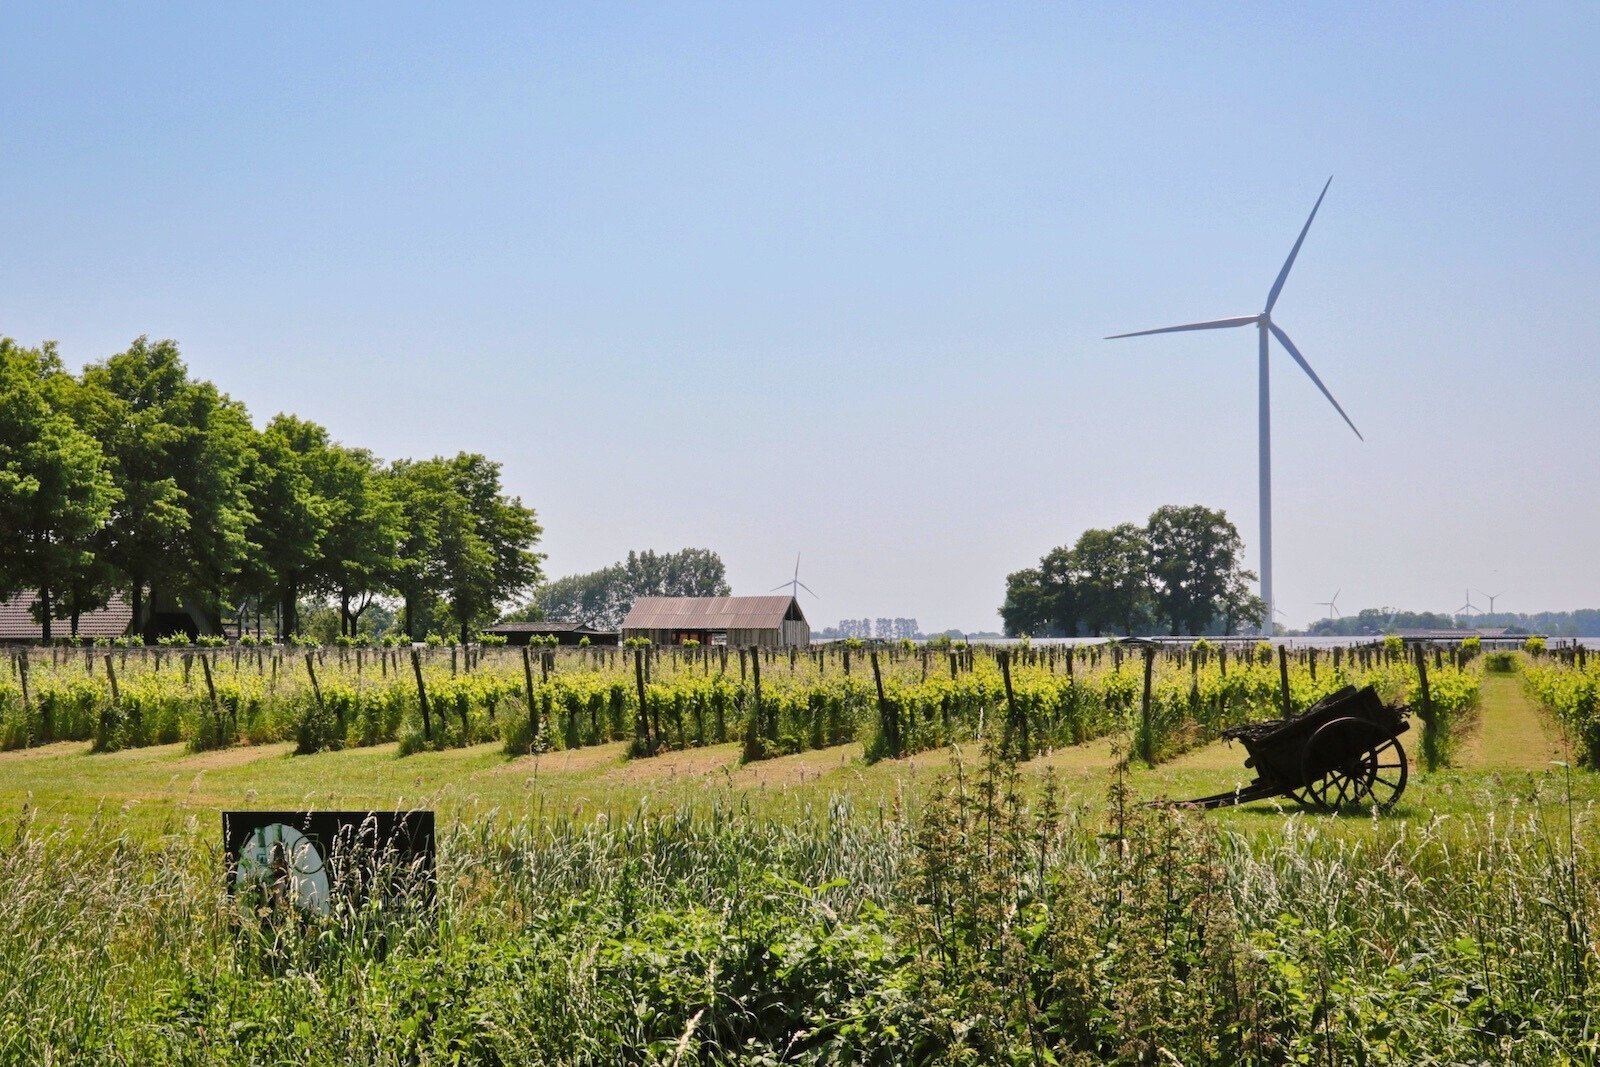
point(1342, 754)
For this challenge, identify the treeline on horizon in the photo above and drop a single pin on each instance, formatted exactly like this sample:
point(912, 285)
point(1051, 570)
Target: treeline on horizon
point(132, 478)
point(1178, 573)
point(1585, 622)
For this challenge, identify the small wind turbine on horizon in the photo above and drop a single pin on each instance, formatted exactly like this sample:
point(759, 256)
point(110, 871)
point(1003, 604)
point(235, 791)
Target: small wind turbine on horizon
point(1332, 605)
point(794, 585)
point(1468, 608)
point(1265, 326)
point(1492, 597)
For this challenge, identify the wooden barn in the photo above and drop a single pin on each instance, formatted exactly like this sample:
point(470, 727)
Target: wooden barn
point(737, 621)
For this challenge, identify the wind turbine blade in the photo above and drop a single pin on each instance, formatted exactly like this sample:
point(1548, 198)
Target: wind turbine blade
point(1283, 275)
point(1214, 324)
point(775, 588)
point(808, 589)
point(1283, 338)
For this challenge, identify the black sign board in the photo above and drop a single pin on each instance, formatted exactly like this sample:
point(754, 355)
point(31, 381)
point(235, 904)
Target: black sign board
point(315, 859)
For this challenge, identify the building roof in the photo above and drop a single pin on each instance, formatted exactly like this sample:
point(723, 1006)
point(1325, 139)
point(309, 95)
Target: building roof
point(552, 627)
point(16, 620)
point(712, 613)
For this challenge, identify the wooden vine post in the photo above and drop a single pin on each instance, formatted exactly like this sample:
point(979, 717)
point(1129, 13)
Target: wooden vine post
point(753, 749)
point(22, 673)
point(1015, 720)
point(755, 677)
point(422, 696)
point(527, 688)
point(1147, 749)
point(1283, 680)
point(316, 690)
point(1430, 740)
point(211, 695)
point(641, 725)
point(888, 717)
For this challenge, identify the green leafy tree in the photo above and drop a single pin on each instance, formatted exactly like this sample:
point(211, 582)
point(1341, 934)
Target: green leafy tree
point(1240, 606)
point(360, 545)
point(177, 450)
point(291, 515)
point(1027, 608)
point(465, 546)
point(1110, 573)
point(56, 490)
point(1194, 557)
point(419, 490)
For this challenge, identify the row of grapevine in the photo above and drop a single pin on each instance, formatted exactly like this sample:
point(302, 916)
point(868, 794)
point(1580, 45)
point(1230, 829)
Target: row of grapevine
point(894, 702)
point(1569, 686)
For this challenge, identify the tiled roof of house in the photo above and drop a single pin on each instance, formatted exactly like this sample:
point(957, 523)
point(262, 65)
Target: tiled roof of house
point(16, 620)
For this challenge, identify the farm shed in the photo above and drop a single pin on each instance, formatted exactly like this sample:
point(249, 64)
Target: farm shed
point(16, 620)
point(565, 633)
point(769, 621)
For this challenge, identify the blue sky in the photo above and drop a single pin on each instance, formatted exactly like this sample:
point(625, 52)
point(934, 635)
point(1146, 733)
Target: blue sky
point(833, 279)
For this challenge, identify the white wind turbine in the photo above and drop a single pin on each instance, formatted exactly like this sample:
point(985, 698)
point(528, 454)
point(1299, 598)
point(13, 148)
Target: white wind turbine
point(1264, 326)
point(1332, 605)
point(794, 585)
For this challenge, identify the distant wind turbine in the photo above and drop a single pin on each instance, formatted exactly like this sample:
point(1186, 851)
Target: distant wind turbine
point(1264, 326)
point(1332, 605)
point(794, 585)
point(1492, 597)
point(1468, 608)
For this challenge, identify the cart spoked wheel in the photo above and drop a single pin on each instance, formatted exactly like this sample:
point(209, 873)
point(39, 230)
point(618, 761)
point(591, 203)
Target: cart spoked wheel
point(1352, 765)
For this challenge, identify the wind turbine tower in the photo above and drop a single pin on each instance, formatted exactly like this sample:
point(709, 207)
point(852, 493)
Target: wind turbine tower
point(1265, 327)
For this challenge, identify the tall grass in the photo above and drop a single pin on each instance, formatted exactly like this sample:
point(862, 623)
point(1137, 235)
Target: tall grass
point(995, 925)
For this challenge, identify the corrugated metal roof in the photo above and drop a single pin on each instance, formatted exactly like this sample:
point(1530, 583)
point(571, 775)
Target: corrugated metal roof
point(16, 620)
point(710, 613)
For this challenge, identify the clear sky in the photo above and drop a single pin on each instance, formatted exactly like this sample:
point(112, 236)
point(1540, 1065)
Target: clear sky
point(777, 278)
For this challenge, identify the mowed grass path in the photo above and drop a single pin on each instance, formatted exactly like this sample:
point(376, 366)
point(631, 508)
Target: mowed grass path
point(163, 787)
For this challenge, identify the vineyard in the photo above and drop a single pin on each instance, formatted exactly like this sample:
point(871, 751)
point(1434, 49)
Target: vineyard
point(1568, 684)
point(892, 702)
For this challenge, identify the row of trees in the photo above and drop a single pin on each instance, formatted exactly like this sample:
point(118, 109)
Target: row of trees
point(1179, 572)
point(1585, 622)
point(133, 478)
point(603, 598)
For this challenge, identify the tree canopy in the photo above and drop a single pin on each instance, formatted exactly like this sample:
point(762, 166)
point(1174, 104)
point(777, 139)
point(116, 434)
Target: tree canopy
point(135, 478)
point(1180, 572)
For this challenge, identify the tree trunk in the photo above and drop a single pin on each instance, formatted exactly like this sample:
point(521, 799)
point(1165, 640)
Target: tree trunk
point(290, 609)
point(347, 625)
point(45, 611)
point(136, 595)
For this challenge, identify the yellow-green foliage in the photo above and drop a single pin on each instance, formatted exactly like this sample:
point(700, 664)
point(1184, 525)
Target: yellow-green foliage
point(693, 697)
point(1572, 694)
